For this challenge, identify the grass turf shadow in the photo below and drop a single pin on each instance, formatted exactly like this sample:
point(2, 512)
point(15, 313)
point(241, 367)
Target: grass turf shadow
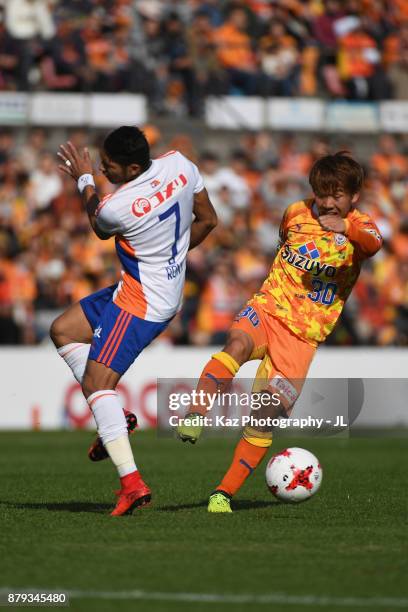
point(242, 504)
point(98, 508)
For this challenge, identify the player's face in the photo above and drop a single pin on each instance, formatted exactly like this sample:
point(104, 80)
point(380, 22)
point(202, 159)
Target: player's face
point(114, 172)
point(338, 204)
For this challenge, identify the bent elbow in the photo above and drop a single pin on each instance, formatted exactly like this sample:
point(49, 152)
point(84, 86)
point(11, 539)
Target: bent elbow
point(371, 253)
point(212, 223)
point(371, 250)
point(102, 236)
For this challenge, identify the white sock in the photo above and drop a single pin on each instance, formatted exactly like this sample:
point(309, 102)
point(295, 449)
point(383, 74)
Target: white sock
point(121, 454)
point(112, 429)
point(75, 355)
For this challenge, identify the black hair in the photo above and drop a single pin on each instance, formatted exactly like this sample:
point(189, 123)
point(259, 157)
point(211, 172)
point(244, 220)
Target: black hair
point(128, 145)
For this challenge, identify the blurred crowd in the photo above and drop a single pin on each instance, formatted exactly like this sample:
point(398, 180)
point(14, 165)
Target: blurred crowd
point(178, 51)
point(49, 258)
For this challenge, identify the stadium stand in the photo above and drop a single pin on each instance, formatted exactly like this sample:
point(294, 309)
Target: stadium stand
point(177, 52)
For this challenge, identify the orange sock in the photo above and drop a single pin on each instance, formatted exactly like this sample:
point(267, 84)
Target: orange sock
point(216, 376)
point(246, 458)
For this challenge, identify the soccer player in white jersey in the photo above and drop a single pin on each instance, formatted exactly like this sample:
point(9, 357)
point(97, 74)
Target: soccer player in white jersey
point(160, 211)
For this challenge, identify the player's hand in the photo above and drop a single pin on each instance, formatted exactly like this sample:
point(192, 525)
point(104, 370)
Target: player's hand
point(190, 428)
point(74, 163)
point(332, 223)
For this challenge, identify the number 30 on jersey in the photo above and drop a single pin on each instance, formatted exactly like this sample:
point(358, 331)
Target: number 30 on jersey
point(323, 292)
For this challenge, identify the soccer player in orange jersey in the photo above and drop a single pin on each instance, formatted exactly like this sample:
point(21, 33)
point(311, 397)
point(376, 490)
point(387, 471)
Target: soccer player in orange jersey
point(323, 242)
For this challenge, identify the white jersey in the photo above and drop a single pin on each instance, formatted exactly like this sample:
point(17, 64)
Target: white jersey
point(151, 218)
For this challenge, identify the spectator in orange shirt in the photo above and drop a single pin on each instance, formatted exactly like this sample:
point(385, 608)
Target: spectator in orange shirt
point(359, 66)
point(279, 61)
point(401, 318)
point(219, 298)
point(9, 331)
point(358, 55)
point(291, 160)
point(17, 294)
point(180, 63)
point(235, 53)
point(400, 10)
point(201, 48)
point(388, 159)
point(99, 51)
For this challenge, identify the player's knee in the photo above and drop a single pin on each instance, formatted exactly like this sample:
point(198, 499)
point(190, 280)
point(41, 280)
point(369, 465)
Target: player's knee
point(96, 381)
point(90, 384)
point(239, 347)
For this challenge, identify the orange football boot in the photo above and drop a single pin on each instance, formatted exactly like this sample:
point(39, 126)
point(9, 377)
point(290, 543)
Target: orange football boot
point(129, 499)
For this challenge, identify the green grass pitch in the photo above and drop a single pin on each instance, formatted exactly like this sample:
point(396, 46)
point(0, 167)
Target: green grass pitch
point(347, 544)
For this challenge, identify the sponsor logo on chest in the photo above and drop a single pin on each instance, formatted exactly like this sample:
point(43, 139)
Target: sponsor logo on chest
point(142, 206)
point(306, 263)
point(310, 250)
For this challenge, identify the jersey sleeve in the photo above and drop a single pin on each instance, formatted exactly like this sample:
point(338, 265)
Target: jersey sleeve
point(198, 183)
point(364, 232)
point(292, 211)
point(107, 218)
point(198, 179)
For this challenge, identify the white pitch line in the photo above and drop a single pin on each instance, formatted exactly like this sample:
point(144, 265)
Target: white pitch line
point(244, 598)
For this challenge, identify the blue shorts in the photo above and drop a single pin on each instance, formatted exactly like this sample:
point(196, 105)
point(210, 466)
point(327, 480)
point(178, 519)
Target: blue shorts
point(119, 337)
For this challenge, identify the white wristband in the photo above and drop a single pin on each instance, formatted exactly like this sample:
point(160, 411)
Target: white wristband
point(85, 180)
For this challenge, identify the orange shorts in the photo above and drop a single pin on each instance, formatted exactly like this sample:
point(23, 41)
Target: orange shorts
point(285, 357)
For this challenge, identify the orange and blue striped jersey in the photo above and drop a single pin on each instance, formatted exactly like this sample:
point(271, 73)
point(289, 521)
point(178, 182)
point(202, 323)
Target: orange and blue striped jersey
point(315, 270)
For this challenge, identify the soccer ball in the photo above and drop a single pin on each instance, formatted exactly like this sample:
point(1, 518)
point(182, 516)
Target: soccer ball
point(294, 475)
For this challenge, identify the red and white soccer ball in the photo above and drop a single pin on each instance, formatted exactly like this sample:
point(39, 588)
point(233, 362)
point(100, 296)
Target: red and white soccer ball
point(294, 475)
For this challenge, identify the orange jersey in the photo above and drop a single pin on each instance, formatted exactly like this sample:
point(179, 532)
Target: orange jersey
point(315, 270)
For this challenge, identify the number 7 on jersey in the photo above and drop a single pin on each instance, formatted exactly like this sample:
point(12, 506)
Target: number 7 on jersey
point(173, 210)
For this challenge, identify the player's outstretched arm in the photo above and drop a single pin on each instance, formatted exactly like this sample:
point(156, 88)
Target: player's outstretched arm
point(205, 218)
point(79, 167)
